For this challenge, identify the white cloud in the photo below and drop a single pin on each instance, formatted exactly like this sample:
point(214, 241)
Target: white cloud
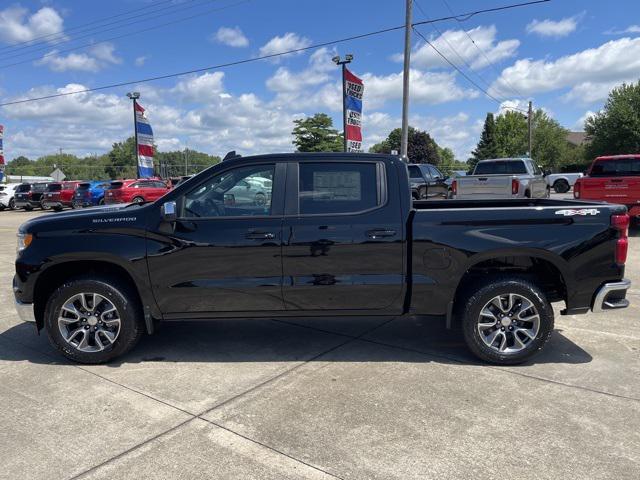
point(426, 87)
point(232, 37)
point(289, 41)
point(16, 25)
point(624, 31)
point(592, 69)
point(553, 28)
point(140, 61)
point(97, 58)
point(579, 125)
point(200, 88)
point(425, 57)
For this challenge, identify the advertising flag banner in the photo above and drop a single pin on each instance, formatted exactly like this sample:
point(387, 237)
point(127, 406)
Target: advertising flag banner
point(145, 143)
point(1, 153)
point(354, 88)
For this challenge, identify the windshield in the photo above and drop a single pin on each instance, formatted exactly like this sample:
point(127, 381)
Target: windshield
point(39, 187)
point(502, 167)
point(619, 167)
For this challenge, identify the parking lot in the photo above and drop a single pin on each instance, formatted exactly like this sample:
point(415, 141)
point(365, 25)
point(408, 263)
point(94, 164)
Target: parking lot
point(321, 398)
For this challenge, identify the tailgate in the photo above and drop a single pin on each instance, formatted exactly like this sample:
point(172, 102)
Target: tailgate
point(485, 186)
point(624, 190)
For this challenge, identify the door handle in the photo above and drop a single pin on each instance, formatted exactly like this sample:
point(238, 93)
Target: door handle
point(381, 233)
point(260, 236)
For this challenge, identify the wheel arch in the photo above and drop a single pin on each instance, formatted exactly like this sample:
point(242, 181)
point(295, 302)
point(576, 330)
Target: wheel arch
point(547, 271)
point(52, 277)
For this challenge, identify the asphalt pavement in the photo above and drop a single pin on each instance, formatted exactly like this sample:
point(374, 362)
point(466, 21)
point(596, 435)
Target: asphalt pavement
point(369, 398)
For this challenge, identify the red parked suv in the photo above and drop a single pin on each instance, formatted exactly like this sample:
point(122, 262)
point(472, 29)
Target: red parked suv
point(135, 191)
point(613, 179)
point(59, 195)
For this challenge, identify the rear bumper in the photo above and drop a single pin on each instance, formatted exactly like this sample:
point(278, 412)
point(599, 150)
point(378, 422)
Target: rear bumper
point(53, 204)
point(611, 296)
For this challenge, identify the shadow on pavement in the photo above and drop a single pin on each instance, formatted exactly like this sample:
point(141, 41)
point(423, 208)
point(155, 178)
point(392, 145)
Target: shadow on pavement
point(240, 340)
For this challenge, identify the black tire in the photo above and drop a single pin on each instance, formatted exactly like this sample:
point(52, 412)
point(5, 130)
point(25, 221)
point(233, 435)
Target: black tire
point(2, 207)
point(561, 186)
point(57, 209)
point(477, 296)
point(101, 201)
point(137, 200)
point(527, 194)
point(123, 299)
point(28, 208)
point(12, 204)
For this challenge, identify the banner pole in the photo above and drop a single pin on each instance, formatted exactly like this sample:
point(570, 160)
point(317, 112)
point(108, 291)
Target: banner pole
point(135, 133)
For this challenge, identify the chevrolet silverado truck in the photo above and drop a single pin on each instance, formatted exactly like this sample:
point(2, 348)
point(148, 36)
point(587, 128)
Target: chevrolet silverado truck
point(337, 234)
point(614, 179)
point(502, 178)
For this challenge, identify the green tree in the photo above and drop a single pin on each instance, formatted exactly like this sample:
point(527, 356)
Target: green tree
point(316, 134)
point(487, 146)
point(550, 147)
point(511, 135)
point(121, 160)
point(421, 148)
point(616, 128)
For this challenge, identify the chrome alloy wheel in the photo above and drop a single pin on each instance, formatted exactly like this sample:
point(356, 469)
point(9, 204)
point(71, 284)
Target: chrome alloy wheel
point(89, 322)
point(508, 323)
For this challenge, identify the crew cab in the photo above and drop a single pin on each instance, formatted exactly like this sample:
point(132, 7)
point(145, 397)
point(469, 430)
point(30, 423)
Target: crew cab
point(614, 179)
point(29, 195)
point(338, 234)
point(135, 191)
point(502, 178)
point(90, 194)
point(427, 182)
point(59, 195)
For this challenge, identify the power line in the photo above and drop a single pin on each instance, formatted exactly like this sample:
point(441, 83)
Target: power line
point(71, 29)
point(147, 16)
point(486, 57)
point(469, 79)
point(451, 47)
point(272, 55)
point(137, 32)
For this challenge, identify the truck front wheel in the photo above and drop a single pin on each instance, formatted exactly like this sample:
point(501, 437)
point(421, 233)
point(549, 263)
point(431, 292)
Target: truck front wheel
point(507, 321)
point(93, 320)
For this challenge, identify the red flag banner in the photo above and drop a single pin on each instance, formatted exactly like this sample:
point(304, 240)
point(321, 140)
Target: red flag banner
point(354, 89)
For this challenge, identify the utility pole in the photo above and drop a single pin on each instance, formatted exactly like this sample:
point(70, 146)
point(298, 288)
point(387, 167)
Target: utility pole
point(530, 123)
point(404, 142)
point(338, 61)
point(186, 161)
point(134, 96)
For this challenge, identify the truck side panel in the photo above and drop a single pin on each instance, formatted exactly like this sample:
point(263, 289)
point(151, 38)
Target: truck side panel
point(447, 243)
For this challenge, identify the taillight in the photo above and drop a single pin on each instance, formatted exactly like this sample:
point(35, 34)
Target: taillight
point(621, 224)
point(515, 186)
point(30, 194)
point(576, 189)
point(454, 187)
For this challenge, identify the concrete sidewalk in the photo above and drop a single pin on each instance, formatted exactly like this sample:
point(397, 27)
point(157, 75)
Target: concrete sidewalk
point(324, 398)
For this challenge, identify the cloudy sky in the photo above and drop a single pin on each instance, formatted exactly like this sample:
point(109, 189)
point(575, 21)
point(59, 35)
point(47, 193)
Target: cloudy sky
point(564, 55)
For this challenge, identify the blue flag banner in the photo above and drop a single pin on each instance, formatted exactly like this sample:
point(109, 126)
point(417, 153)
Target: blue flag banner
point(145, 143)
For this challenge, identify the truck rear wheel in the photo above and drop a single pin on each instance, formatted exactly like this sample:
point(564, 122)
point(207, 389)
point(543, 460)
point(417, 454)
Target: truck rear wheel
point(507, 321)
point(561, 186)
point(93, 320)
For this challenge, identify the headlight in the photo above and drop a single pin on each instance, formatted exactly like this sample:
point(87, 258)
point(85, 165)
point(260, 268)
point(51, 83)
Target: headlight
point(24, 240)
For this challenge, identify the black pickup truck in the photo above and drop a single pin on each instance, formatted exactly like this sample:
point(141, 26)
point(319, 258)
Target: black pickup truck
point(318, 235)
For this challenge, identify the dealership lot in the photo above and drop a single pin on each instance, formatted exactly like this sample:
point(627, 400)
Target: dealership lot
point(323, 398)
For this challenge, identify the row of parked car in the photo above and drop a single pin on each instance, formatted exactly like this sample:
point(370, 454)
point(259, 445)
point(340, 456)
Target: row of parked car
point(76, 194)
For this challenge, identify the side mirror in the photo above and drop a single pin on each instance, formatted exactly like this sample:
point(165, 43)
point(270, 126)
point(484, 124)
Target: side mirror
point(169, 212)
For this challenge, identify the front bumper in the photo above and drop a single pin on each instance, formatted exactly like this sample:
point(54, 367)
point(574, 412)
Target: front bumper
point(611, 296)
point(25, 311)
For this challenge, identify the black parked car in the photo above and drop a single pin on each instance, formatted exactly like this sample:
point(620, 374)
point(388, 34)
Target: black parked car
point(29, 195)
point(427, 182)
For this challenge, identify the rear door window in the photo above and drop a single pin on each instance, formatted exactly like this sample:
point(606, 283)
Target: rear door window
point(414, 172)
point(327, 188)
point(620, 167)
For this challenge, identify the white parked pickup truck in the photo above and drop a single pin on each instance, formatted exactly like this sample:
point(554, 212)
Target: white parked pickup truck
point(502, 178)
point(562, 182)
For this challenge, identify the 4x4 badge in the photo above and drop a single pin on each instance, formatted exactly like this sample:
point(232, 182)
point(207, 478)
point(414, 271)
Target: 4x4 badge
point(580, 211)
